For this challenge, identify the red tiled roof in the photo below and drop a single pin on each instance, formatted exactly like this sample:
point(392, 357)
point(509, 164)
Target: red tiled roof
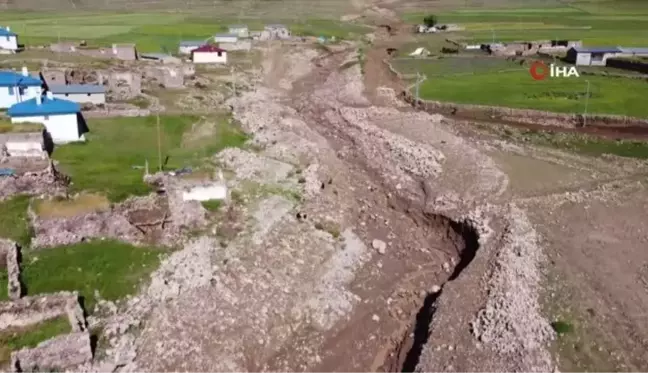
point(209, 48)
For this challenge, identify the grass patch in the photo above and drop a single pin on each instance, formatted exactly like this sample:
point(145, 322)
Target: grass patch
point(4, 284)
point(104, 164)
point(84, 203)
point(6, 127)
point(212, 205)
point(113, 268)
point(14, 222)
point(13, 339)
point(562, 327)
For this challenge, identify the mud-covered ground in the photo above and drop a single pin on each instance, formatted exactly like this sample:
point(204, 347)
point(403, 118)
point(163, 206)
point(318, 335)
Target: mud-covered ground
point(367, 236)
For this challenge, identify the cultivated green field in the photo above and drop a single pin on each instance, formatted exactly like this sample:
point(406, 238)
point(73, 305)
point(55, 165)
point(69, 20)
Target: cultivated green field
point(494, 82)
point(602, 23)
point(152, 32)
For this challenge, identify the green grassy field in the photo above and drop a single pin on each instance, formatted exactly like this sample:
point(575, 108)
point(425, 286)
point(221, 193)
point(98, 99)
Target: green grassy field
point(14, 222)
point(104, 164)
point(152, 31)
point(497, 82)
point(113, 268)
point(602, 23)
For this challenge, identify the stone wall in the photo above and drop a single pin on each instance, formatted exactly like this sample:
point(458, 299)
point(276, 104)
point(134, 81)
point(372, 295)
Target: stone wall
point(47, 181)
point(239, 45)
point(10, 252)
point(619, 63)
point(525, 116)
point(35, 309)
point(54, 355)
point(98, 113)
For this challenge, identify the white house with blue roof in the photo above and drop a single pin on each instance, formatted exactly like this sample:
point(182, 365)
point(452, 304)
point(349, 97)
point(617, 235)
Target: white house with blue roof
point(17, 87)
point(8, 40)
point(62, 118)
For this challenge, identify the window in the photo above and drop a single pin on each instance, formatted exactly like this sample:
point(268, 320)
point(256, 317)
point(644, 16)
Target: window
point(67, 95)
point(89, 94)
point(8, 38)
point(11, 91)
point(46, 117)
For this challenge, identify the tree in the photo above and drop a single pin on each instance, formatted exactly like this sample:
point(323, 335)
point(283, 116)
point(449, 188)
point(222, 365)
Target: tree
point(430, 20)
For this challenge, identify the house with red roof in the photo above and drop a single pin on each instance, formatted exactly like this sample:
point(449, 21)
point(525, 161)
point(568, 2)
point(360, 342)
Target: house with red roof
point(209, 54)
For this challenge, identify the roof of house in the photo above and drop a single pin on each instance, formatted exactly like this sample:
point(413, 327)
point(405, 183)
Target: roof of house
point(208, 48)
point(634, 50)
point(237, 26)
point(6, 32)
point(226, 36)
point(76, 88)
point(48, 106)
point(12, 79)
point(192, 43)
point(597, 49)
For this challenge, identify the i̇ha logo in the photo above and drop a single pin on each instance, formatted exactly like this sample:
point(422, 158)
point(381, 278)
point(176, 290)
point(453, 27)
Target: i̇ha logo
point(539, 71)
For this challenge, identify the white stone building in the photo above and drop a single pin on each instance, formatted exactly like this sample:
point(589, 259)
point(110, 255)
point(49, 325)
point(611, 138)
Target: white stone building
point(209, 54)
point(17, 87)
point(8, 40)
point(62, 118)
point(242, 31)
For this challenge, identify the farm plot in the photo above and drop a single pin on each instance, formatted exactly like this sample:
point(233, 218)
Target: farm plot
point(595, 23)
point(455, 66)
point(517, 89)
point(153, 32)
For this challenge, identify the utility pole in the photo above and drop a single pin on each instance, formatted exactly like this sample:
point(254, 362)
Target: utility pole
point(159, 142)
point(493, 34)
point(586, 103)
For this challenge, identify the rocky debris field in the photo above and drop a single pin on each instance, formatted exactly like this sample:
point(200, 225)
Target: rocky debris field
point(358, 235)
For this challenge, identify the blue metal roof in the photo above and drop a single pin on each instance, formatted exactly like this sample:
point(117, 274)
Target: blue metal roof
point(5, 32)
point(597, 50)
point(48, 106)
point(13, 79)
point(76, 88)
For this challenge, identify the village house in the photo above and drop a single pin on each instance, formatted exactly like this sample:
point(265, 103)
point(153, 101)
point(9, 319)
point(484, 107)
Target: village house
point(275, 32)
point(17, 87)
point(80, 93)
point(187, 46)
point(581, 56)
point(209, 54)
point(8, 40)
point(62, 118)
point(226, 38)
point(242, 31)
